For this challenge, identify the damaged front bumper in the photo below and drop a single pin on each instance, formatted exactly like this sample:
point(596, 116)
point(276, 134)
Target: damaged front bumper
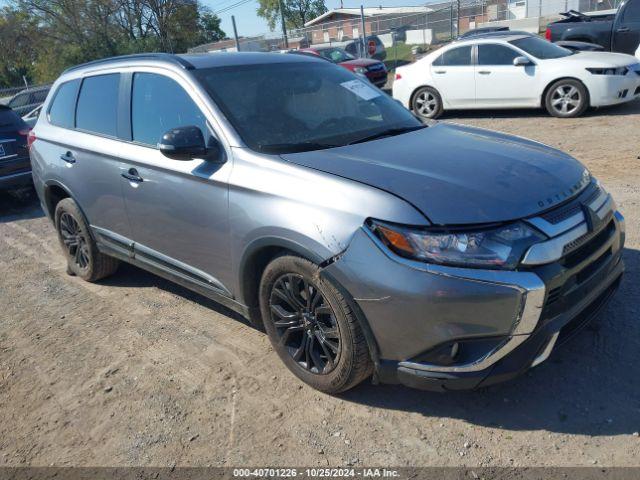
point(492, 324)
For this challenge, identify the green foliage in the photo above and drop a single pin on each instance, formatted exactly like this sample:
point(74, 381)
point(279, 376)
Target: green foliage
point(40, 38)
point(17, 29)
point(296, 12)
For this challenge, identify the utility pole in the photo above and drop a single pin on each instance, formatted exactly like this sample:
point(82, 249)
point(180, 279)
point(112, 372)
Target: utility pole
point(365, 53)
point(458, 17)
point(235, 32)
point(284, 25)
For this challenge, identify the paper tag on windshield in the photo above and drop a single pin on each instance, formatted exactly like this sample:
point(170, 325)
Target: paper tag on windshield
point(361, 89)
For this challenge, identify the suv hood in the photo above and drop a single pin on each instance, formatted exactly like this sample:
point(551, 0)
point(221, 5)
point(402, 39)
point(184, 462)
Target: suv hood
point(458, 175)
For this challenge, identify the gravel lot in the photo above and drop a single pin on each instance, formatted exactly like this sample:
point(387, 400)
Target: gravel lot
point(137, 371)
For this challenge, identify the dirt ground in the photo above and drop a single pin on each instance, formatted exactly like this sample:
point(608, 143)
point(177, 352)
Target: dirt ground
point(137, 371)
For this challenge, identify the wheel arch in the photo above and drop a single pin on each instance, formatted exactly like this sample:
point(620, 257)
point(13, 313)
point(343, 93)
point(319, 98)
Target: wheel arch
point(255, 258)
point(579, 37)
point(262, 251)
point(555, 80)
point(54, 192)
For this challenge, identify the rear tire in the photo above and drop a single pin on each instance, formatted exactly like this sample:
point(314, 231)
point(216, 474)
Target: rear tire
point(312, 327)
point(427, 103)
point(78, 246)
point(566, 99)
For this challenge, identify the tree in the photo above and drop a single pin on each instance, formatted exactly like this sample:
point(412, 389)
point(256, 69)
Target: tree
point(296, 12)
point(40, 38)
point(17, 30)
point(210, 27)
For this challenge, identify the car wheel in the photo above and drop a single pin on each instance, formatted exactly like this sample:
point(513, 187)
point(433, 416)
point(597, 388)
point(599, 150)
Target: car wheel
point(80, 250)
point(427, 103)
point(566, 98)
point(312, 327)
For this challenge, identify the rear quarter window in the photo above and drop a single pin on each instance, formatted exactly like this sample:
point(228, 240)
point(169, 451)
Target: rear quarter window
point(97, 109)
point(63, 106)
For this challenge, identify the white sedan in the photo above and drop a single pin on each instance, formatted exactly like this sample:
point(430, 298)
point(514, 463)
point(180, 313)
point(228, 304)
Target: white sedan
point(515, 71)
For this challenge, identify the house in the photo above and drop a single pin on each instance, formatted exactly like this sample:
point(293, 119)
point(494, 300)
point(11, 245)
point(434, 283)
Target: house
point(228, 45)
point(341, 24)
point(250, 44)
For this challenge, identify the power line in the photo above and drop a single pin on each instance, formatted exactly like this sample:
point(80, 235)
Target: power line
point(222, 5)
point(231, 7)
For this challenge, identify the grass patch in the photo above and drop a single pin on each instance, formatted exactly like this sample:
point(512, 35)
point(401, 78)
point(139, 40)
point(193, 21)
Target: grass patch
point(401, 54)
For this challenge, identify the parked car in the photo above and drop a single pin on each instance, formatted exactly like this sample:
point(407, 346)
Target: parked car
point(619, 32)
point(26, 100)
point(374, 70)
point(521, 71)
point(487, 32)
point(15, 169)
point(32, 117)
point(373, 44)
point(483, 31)
point(580, 46)
point(292, 191)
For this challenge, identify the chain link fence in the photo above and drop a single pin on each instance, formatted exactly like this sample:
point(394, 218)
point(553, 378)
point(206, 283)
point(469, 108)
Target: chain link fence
point(24, 98)
point(397, 39)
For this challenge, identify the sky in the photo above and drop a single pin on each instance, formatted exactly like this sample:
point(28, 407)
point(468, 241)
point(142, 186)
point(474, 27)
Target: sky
point(249, 23)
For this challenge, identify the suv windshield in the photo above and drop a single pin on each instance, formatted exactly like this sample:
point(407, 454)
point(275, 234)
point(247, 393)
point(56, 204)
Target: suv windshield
point(539, 48)
point(299, 106)
point(336, 55)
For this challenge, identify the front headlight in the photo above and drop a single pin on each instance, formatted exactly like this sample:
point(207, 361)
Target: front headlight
point(609, 71)
point(498, 247)
point(360, 70)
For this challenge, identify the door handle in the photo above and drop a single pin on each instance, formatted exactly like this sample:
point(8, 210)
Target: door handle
point(623, 29)
point(68, 158)
point(132, 175)
point(440, 72)
point(484, 72)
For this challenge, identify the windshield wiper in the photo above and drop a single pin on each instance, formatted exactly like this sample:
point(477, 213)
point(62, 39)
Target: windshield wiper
point(294, 147)
point(388, 133)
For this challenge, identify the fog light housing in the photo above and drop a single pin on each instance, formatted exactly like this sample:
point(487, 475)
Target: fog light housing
point(459, 352)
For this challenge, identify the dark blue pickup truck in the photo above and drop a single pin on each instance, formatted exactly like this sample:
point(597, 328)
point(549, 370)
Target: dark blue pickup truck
point(619, 32)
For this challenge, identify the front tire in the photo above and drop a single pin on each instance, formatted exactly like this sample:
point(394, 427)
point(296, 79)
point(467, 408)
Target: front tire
point(427, 103)
point(78, 246)
point(312, 327)
point(566, 99)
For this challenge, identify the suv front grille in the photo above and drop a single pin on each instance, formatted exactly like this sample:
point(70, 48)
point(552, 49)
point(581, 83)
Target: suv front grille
point(569, 209)
point(582, 247)
point(580, 271)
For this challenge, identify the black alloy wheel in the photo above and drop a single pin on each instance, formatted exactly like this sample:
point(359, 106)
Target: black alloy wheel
point(84, 259)
point(74, 241)
point(305, 324)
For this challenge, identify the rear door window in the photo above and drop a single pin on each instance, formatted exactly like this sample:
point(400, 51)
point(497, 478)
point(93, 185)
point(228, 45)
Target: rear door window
point(97, 110)
point(460, 56)
point(159, 104)
point(63, 107)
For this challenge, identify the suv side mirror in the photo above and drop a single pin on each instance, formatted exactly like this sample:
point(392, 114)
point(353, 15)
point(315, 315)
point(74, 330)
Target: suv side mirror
point(522, 62)
point(187, 143)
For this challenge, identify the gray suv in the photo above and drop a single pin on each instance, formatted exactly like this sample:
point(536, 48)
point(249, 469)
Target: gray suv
point(365, 243)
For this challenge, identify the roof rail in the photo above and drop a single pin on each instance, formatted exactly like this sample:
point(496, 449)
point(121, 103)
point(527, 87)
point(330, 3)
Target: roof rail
point(169, 57)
